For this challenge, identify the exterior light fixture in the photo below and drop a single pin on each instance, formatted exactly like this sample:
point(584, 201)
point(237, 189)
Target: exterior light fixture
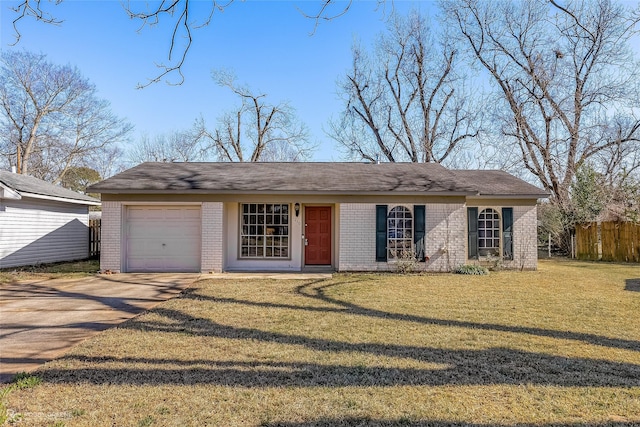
point(296, 207)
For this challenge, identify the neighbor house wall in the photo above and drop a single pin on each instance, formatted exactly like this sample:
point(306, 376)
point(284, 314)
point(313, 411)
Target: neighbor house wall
point(34, 231)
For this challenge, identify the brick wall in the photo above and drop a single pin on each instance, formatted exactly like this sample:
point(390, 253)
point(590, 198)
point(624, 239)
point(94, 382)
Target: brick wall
point(212, 237)
point(111, 229)
point(358, 237)
point(525, 238)
point(445, 238)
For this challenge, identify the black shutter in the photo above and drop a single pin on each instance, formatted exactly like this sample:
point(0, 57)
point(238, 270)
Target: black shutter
point(419, 231)
point(507, 233)
point(472, 224)
point(381, 233)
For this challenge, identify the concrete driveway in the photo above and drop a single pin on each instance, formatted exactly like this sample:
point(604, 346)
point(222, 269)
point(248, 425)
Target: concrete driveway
point(41, 320)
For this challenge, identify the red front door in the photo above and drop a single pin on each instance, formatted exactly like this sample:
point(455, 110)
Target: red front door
point(317, 233)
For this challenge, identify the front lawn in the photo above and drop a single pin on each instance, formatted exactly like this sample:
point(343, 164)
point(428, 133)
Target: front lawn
point(67, 269)
point(559, 346)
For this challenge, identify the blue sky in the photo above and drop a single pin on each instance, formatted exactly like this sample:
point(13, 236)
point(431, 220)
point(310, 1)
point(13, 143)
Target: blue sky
point(266, 43)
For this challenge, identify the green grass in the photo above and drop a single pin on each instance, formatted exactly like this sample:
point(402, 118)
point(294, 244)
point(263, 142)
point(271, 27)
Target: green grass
point(558, 346)
point(75, 269)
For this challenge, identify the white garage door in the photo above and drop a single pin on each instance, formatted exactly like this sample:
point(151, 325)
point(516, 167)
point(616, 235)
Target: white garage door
point(162, 238)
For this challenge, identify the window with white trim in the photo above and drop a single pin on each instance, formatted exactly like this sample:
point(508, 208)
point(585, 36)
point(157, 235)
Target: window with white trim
point(399, 232)
point(489, 233)
point(264, 230)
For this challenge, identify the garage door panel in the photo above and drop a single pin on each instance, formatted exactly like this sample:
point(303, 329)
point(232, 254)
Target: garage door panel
point(164, 233)
point(163, 238)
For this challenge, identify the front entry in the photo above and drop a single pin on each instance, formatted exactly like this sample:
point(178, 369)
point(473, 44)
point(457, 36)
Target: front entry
point(317, 233)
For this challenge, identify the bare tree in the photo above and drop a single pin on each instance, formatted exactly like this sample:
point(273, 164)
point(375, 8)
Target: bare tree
point(177, 146)
point(407, 102)
point(256, 130)
point(51, 117)
point(566, 80)
point(109, 161)
point(182, 19)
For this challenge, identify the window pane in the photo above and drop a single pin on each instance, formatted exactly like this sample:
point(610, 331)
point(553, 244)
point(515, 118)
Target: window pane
point(488, 231)
point(399, 232)
point(260, 223)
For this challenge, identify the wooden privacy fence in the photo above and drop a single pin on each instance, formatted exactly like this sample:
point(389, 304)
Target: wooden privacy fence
point(94, 237)
point(608, 241)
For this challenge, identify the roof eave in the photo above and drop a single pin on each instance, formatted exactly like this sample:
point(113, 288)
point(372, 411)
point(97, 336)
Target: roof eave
point(295, 193)
point(512, 196)
point(7, 192)
point(60, 199)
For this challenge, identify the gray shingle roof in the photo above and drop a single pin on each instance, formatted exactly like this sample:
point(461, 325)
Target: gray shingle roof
point(498, 183)
point(297, 178)
point(29, 184)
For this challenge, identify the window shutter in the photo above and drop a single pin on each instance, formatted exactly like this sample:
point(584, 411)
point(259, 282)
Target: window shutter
point(381, 233)
point(472, 224)
point(419, 231)
point(507, 233)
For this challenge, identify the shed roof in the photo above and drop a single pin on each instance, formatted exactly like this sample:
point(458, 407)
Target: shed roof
point(313, 178)
point(33, 187)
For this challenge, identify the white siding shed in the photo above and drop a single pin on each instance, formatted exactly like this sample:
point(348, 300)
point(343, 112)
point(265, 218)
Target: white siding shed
point(41, 222)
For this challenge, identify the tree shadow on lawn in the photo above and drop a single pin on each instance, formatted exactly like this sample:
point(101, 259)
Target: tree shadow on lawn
point(632, 285)
point(458, 367)
point(309, 290)
point(367, 422)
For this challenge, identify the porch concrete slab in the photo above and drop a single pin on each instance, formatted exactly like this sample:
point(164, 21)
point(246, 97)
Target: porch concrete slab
point(41, 320)
point(268, 275)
